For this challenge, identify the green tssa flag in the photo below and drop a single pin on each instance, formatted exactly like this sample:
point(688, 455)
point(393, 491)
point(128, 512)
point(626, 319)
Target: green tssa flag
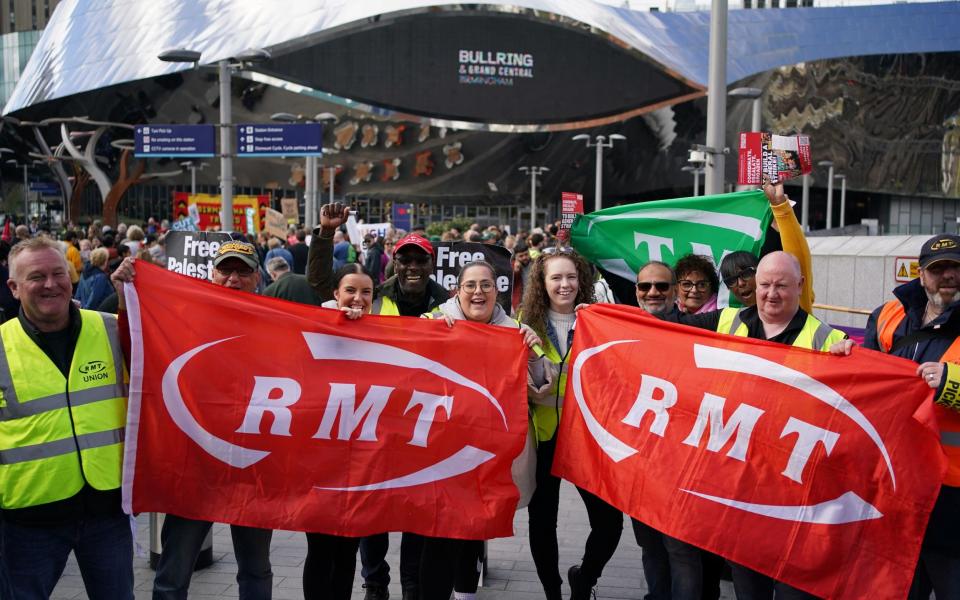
point(622, 238)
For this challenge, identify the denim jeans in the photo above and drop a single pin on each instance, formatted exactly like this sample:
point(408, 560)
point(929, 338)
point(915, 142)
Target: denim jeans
point(182, 539)
point(373, 560)
point(33, 558)
point(673, 569)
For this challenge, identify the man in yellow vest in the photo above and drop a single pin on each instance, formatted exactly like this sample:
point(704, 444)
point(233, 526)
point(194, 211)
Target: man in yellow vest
point(410, 293)
point(923, 324)
point(777, 317)
point(63, 404)
point(236, 266)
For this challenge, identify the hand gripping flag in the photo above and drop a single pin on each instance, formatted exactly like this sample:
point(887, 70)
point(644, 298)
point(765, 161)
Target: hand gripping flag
point(621, 239)
point(816, 470)
point(267, 413)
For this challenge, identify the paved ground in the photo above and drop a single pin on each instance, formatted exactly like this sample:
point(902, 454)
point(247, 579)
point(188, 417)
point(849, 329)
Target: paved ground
point(511, 573)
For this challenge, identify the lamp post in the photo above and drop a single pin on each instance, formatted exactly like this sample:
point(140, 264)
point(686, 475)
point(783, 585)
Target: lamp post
point(224, 70)
point(829, 165)
point(716, 97)
point(533, 172)
point(695, 170)
point(756, 95)
point(843, 199)
point(600, 142)
point(310, 189)
point(26, 189)
point(193, 167)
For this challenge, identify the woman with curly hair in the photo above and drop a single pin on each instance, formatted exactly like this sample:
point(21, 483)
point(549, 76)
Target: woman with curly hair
point(697, 283)
point(560, 281)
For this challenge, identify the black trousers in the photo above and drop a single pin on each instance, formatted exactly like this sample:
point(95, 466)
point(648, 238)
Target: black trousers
point(542, 514)
point(447, 565)
point(606, 526)
point(329, 567)
point(373, 557)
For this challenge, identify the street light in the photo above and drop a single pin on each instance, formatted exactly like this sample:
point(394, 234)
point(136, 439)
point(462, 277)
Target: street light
point(193, 166)
point(755, 94)
point(26, 189)
point(696, 177)
point(310, 190)
point(843, 199)
point(829, 164)
point(183, 55)
point(533, 172)
point(600, 142)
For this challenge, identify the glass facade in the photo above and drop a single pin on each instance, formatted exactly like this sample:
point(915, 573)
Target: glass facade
point(15, 51)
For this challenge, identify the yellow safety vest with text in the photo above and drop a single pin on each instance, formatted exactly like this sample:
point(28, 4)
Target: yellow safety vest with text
point(815, 334)
point(57, 432)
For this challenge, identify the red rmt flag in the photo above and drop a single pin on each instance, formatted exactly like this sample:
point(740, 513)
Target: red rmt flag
point(261, 412)
point(819, 471)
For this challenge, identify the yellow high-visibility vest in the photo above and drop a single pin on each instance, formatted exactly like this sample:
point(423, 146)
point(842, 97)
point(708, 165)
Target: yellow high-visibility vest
point(57, 432)
point(815, 335)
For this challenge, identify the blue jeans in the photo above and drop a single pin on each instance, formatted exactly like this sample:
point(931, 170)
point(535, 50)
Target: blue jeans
point(182, 539)
point(33, 558)
point(673, 569)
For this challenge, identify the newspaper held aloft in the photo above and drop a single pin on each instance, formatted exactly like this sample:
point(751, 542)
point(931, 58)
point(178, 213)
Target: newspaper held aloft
point(779, 157)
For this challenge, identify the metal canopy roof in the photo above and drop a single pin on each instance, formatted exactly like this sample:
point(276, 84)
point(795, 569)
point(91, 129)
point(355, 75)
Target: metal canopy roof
point(92, 44)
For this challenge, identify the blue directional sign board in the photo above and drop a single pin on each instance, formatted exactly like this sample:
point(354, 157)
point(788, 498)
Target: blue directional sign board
point(175, 140)
point(46, 188)
point(280, 139)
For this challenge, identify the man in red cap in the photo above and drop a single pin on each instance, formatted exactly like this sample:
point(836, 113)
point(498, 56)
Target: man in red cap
point(410, 293)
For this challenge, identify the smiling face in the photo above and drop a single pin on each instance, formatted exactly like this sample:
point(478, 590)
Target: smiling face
point(941, 281)
point(562, 283)
point(778, 287)
point(42, 284)
point(235, 274)
point(477, 293)
point(413, 267)
point(355, 291)
point(650, 295)
point(694, 290)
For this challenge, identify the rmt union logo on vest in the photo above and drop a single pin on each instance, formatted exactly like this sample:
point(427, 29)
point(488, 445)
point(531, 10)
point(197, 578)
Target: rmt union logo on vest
point(94, 370)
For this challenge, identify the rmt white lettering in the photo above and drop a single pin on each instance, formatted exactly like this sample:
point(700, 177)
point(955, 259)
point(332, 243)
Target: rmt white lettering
point(276, 395)
point(658, 396)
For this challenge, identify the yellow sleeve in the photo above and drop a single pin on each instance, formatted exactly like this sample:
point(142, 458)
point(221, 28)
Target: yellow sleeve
point(794, 242)
point(949, 392)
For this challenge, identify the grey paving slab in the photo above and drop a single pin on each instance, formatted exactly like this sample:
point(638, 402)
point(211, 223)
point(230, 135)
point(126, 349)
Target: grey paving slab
point(511, 574)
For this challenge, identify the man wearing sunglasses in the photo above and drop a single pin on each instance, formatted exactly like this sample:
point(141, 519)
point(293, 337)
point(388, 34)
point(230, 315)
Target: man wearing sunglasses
point(236, 266)
point(672, 568)
point(657, 289)
point(410, 293)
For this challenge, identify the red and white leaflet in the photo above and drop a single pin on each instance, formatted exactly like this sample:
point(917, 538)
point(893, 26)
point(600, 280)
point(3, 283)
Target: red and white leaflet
point(571, 205)
point(776, 156)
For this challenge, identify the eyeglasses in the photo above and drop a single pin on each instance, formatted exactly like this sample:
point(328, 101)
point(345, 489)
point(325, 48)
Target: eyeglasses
point(744, 275)
point(662, 286)
point(240, 271)
point(687, 285)
point(471, 286)
point(410, 259)
point(557, 250)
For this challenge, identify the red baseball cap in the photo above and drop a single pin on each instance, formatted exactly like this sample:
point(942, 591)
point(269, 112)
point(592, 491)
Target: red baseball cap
point(415, 240)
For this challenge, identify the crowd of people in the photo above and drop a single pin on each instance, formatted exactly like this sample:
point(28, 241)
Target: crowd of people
point(61, 437)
